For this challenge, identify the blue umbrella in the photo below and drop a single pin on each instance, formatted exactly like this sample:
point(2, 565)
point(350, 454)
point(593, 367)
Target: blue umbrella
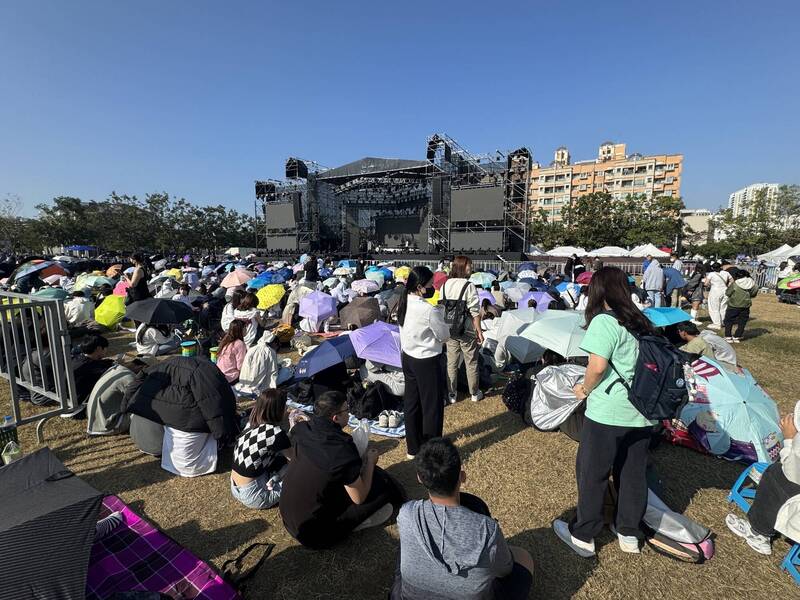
point(527, 266)
point(328, 353)
point(349, 263)
point(271, 277)
point(665, 316)
point(529, 280)
point(562, 287)
point(257, 283)
point(387, 274)
point(286, 273)
point(325, 272)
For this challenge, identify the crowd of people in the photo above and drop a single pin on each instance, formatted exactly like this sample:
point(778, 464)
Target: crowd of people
point(324, 484)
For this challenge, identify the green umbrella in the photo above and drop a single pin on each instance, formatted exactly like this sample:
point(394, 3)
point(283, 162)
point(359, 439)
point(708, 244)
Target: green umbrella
point(51, 293)
point(792, 282)
point(558, 330)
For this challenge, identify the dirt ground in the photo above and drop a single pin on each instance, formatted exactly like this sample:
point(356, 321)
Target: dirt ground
point(526, 477)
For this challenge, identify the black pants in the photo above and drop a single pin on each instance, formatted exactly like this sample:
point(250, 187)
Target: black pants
point(423, 401)
point(773, 492)
point(621, 451)
point(514, 586)
point(385, 490)
point(737, 316)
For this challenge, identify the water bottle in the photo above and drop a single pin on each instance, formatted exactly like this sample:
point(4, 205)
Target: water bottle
point(8, 423)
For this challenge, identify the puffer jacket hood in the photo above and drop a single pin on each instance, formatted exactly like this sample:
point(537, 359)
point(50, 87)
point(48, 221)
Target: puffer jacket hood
point(746, 283)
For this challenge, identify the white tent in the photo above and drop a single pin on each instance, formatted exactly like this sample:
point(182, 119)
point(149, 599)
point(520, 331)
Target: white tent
point(648, 250)
point(609, 251)
point(536, 251)
point(566, 251)
point(777, 253)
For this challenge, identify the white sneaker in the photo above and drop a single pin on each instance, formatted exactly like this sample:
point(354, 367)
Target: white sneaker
point(712, 326)
point(451, 398)
point(741, 527)
point(395, 418)
point(729, 339)
point(627, 543)
point(383, 419)
point(736, 340)
point(409, 457)
point(379, 517)
point(579, 547)
point(477, 397)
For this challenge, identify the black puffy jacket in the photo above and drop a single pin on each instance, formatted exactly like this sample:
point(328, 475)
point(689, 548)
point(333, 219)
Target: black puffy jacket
point(188, 394)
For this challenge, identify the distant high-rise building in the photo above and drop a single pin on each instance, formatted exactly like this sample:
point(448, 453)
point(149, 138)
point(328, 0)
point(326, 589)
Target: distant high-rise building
point(739, 201)
point(556, 186)
point(698, 226)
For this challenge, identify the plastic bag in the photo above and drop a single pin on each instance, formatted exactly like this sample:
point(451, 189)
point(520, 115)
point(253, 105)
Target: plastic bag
point(11, 452)
point(361, 437)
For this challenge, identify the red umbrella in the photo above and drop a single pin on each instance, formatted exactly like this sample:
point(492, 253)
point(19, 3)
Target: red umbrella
point(438, 279)
point(584, 278)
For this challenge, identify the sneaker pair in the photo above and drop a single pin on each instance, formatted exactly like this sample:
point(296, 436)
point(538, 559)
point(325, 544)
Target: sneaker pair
point(627, 543)
point(390, 419)
point(736, 340)
point(741, 527)
point(474, 397)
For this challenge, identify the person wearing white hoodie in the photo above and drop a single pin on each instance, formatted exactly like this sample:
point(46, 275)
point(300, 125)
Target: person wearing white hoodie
point(248, 312)
point(260, 368)
point(740, 295)
point(776, 506)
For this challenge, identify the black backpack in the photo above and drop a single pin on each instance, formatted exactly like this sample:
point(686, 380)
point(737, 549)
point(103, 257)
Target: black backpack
point(516, 393)
point(456, 314)
point(658, 389)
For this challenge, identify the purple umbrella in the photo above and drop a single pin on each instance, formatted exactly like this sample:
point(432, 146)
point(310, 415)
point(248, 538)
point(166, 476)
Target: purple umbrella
point(542, 299)
point(379, 342)
point(317, 306)
point(484, 295)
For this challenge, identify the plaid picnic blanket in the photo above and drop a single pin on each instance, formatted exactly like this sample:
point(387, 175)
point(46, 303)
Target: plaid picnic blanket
point(138, 556)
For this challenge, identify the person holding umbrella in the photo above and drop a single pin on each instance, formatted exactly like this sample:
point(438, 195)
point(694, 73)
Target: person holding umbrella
point(615, 435)
point(423, 331)
point(155, 317)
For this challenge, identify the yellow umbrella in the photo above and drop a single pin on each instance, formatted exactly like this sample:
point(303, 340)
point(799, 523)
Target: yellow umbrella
point(111, 311)
point(269, 295)
point(434, 299)
point(176, 274)
point(401, 273)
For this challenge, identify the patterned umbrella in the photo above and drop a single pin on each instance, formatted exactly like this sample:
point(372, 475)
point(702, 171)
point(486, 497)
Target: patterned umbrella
point(365, 286)
point(270, 295)
point(379, 342)
point(792, 282)
point(317, 306)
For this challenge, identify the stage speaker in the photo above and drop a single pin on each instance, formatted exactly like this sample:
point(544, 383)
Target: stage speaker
point(436, 195)
point(296, 169)
point(296, 205)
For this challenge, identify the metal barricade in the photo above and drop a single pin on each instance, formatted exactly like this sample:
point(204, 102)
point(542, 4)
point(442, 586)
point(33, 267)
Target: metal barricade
point(35, 356)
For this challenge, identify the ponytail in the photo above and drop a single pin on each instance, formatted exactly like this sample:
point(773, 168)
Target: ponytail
point(419, 275)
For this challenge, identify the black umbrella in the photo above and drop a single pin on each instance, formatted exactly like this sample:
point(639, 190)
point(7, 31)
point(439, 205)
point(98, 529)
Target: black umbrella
point(47, 528)
point(159, 311)
point(360, 312)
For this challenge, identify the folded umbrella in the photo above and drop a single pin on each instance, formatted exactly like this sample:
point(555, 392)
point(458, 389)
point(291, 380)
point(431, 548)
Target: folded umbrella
point(379, 342)
point(665, 316)
point(329, 353)
point(159, 311)
point(268, 296)
point(365, 286)
point(235, 278)
point(558, 330)
point(317, 306)
point(360, 312)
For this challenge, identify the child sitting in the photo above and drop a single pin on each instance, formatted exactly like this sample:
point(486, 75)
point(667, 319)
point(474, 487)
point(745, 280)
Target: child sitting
point(778, 495)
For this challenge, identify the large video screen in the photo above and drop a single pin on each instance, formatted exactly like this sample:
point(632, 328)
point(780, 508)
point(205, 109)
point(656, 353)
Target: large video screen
point(477, 204)
point(282, 242)
point(476, 240)
point(280, 216)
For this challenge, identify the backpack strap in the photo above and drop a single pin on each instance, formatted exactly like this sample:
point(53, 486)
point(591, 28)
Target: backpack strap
point(619, 379)
point(463, 289)
point(231, 568)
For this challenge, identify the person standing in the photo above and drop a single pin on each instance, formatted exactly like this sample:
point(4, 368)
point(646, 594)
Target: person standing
point(694, 291)
point(138, 279)
point(422, 334)
point(740, 295)
point(717, 282)
point(459, 287)
point(653, 282)
point(677, 263)
point(615, 435)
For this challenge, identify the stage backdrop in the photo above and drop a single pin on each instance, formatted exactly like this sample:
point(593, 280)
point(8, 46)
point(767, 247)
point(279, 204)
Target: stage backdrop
point(477, 204)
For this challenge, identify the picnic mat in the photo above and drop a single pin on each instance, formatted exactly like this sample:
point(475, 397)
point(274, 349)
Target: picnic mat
point(137, 556)
point(395, 432)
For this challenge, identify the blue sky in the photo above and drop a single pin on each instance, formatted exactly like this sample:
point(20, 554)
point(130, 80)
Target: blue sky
point(200, 98)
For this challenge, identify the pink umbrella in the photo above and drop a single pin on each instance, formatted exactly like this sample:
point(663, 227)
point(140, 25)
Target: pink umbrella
point(121, 289)
point(298, 267)
point(236, 278)
point(365, 286)
point(584, 278)
point(438, 279)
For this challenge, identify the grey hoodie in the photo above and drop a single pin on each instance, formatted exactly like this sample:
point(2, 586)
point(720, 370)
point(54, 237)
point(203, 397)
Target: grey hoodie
point(449, 552)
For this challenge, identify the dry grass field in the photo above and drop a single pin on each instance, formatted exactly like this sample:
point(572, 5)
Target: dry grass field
point(525, 476)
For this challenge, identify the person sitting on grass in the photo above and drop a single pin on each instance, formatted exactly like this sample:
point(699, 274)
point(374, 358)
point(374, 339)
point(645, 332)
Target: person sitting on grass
point(232, 350)
point(183, 295)
point(450, 546)
point(328, 490)
point(776, 506)
point(695, 343)
point(87, 368)
point(79, 309)
point(260, 456)
point(155, 340)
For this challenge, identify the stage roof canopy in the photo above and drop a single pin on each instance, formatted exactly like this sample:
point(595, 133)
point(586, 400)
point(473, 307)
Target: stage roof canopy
point(378, 167)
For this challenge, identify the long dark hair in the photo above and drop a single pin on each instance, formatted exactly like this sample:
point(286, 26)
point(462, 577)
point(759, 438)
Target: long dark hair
point(269, 408)
point(610, 286)
point(419, 276)
point(235, 332)
point(140, 259)
point(236, 298)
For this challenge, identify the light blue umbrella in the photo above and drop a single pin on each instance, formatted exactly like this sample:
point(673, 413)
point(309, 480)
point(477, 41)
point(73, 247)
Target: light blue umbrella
point(349, 263)
point(665, 316)
point(558, 330)
point(483, 280)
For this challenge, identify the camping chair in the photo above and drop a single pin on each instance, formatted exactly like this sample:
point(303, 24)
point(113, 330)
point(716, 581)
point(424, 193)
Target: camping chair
point(742, 494)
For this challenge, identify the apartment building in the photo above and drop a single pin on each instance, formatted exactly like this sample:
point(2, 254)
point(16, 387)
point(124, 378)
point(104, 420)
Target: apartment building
point(698, 226)
point(740, 200)
point(613, 171)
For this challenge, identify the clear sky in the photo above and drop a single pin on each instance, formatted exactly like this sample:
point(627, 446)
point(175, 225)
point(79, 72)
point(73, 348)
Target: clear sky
point(199, 98)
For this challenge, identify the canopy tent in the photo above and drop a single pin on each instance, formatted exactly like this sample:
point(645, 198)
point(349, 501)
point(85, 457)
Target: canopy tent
point(648, 250)
point(536, 251)
point(777, 253)
point(47, 528)
point(609, 251)
point(566, 251)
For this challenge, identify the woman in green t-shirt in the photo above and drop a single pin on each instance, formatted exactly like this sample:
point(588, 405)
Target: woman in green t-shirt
point(615, 436)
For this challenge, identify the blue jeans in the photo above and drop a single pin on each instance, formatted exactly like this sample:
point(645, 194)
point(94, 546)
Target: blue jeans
point(255, 494)
point(654, 297)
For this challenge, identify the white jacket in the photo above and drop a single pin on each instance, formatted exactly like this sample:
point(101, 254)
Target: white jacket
point(424, 330)
point(788, 520)
point(260, 368)
point(78, 310)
